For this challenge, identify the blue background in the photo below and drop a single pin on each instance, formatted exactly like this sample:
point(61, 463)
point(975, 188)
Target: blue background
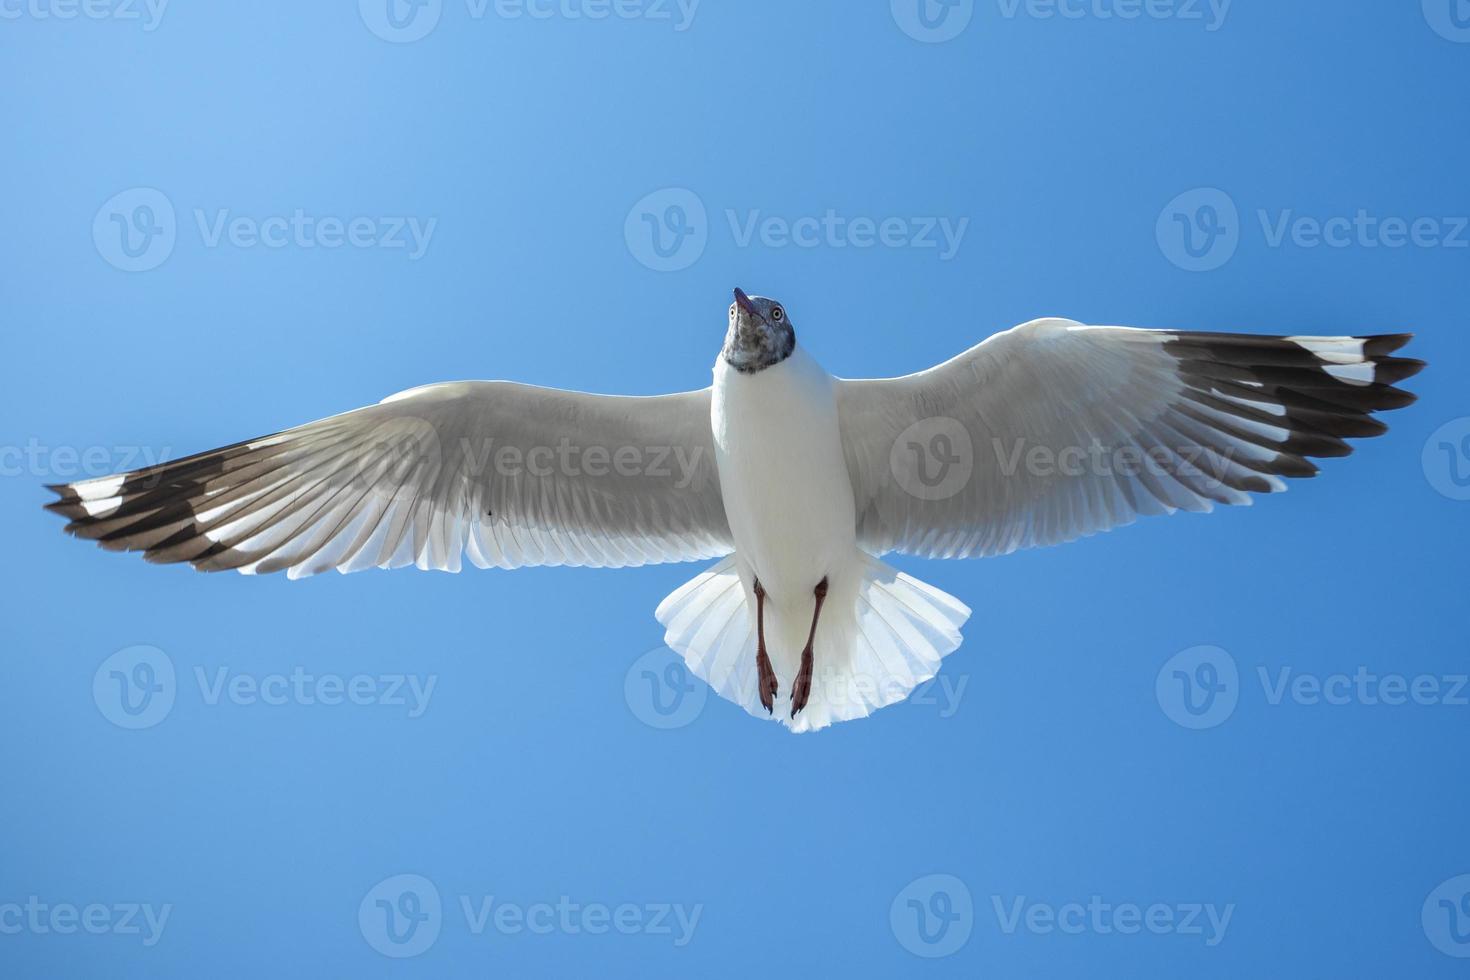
point(529, 777)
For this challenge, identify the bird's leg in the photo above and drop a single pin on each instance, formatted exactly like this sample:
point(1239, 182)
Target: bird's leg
point(801, 690)
point(767, 674)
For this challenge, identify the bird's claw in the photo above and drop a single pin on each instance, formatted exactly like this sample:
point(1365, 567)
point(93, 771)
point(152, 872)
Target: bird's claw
point(769, 686)
point(801, 688)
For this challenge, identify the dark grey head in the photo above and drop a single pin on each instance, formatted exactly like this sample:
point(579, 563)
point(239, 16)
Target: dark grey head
point(760, 333)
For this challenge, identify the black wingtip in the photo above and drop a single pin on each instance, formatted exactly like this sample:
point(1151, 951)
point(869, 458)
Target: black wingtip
point(1395, 369)
point(66, 502)
point(1380, 344)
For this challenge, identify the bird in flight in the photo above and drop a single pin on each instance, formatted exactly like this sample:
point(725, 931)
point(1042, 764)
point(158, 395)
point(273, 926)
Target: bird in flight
point(797, 480)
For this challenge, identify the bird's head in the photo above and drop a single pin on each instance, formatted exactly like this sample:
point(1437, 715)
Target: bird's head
point(760, 333)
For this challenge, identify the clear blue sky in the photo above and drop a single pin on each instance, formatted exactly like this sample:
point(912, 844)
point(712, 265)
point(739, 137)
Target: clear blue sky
point(1048, 768)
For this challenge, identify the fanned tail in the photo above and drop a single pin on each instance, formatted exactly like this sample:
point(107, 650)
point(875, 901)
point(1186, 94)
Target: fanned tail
point(882, 633)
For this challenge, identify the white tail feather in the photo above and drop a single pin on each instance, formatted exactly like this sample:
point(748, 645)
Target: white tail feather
point(881, 634)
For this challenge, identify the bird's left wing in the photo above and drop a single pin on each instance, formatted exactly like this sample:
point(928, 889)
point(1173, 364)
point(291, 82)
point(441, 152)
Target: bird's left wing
point(508, 474)
point(1054, 430)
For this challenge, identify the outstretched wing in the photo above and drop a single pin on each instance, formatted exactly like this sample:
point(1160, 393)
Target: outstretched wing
point(508, 474)
point(1054, 430)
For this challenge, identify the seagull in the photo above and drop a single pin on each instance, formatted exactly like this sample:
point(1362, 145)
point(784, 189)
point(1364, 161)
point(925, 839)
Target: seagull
point(798, 481)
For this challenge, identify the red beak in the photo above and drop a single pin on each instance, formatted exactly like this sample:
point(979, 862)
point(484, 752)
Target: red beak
point(743, 301)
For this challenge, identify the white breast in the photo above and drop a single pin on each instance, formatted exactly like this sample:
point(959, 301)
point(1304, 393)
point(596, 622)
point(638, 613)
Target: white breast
point(783, 475)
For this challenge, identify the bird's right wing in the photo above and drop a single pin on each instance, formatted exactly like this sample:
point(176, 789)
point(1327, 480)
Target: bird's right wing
point(1054, 430)
point(508, 474)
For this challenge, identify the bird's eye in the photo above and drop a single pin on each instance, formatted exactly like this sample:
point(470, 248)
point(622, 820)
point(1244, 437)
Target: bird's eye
point(778, 314)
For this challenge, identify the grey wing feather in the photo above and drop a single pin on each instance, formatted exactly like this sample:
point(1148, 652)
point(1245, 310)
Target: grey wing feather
point(506, 474)
point(1055, 430)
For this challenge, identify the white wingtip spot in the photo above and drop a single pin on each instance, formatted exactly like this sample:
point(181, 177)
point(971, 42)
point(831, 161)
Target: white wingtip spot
point(100, 488)
point(101, 508)
point(1356, 374)
point(1333, 350)
point(1273, 408)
